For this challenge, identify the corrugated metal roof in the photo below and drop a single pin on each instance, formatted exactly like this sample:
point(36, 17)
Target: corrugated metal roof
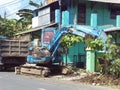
point(36, 29)
point(112, 29)
point(107, 1)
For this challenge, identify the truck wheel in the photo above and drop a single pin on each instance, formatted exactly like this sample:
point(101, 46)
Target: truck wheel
point(1, 68)
point(17, 70)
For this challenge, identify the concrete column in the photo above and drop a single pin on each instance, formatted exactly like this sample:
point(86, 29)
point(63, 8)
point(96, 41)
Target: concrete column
point(65, 18)
point(118, 20)
point(90, 60)
point(57, 16)
point(94, 20)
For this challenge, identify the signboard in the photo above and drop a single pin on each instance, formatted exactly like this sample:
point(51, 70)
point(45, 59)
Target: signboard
point(47, 37)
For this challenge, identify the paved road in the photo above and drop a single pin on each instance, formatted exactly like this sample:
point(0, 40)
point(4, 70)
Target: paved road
point(10, 81)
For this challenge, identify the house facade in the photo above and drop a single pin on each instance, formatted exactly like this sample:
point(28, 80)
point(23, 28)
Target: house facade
point(101, 14)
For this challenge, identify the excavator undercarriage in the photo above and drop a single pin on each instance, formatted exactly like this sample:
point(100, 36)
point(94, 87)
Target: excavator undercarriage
point(43, 71)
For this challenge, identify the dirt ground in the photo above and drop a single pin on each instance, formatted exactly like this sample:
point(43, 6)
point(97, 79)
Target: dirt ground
point(100, 80)
point(81, 76)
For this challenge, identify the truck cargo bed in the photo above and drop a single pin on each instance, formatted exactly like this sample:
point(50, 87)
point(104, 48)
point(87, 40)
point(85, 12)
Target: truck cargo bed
point(13, 48)
point(13, 53)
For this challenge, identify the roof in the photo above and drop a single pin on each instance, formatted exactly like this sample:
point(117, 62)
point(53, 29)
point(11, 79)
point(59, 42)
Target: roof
point(107, 1)
point(112, 29)
point(47, 5)
point(36, 29)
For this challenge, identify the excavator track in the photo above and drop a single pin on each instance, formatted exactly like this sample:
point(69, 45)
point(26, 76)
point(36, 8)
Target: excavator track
point(32, 69)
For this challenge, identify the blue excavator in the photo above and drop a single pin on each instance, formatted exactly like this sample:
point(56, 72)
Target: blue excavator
point(44, 57)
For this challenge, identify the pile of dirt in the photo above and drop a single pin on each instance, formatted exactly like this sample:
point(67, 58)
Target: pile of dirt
point(96, 79)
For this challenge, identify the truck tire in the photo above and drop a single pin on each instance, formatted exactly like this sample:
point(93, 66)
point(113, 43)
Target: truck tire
point(1, 68)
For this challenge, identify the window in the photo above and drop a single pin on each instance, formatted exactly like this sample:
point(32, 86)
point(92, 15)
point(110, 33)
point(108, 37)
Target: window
point(114, 10)
point(81, 13)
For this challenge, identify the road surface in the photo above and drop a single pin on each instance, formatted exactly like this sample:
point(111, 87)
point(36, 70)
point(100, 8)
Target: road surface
point(10, 81)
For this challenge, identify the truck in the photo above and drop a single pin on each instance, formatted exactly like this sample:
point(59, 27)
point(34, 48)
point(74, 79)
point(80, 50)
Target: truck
point(45, 57)
point(13, 52)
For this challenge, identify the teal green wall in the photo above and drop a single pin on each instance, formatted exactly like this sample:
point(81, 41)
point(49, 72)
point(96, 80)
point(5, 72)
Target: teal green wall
point(74, 11)
point(102, 10)
point(103, 13)
point(74, 54)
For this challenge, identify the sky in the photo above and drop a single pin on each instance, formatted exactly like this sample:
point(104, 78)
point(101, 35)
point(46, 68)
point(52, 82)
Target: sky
point(9, 8)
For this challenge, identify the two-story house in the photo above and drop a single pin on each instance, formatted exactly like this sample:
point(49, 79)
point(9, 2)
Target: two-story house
point(101, 14)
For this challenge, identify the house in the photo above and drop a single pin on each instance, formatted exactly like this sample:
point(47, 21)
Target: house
point(101, 14)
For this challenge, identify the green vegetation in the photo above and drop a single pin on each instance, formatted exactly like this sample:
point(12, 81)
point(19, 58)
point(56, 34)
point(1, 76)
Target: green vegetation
point(113, 55)
point(96, 44)
point(35, 4)
point(10, 27)
point(69, 40)
point(25, 16)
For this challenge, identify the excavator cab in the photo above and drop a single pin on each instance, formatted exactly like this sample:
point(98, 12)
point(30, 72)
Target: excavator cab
point(41, 52)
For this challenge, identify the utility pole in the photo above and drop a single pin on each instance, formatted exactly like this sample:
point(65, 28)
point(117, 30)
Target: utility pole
point(5, 14)
point(60, 15)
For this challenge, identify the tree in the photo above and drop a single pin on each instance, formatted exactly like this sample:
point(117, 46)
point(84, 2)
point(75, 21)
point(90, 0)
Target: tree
point(10, 27)
point(94, 44)
point(112, 55)
point(69, 40)
point(26, 17)
point(35, 4)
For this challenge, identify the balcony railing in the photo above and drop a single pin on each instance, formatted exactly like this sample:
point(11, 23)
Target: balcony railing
point(44, 19)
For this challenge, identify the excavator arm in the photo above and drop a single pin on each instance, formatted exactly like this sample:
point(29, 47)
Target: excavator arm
point(92, 31)
point(55, 42)
point(50, 51)
point(76, 30)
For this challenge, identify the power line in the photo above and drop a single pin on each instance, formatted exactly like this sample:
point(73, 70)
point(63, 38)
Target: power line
point(6, 3)
point(10, 3)
point(17, 11)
